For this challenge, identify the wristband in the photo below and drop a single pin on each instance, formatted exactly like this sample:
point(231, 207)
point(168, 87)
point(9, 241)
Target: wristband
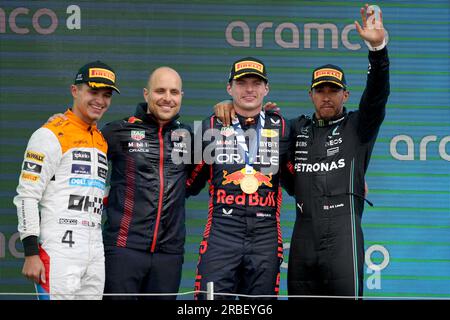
point(30, 246)
point(378, 48)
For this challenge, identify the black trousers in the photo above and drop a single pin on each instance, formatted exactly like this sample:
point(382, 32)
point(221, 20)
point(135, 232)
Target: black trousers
point(241, 255)
point(136, 271)
point(326, 258)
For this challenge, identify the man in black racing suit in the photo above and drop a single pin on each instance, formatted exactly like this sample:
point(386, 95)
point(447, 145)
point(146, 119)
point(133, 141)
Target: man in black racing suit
point(331, 155)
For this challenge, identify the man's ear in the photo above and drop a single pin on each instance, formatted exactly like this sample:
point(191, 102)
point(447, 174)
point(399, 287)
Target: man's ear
point(73, 90)
point(346, 95)
point(145, 94)
point(229, 88)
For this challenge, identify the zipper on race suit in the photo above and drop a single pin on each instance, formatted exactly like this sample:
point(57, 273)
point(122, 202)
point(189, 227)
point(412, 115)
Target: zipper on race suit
point(161, 187)
point(93, 179)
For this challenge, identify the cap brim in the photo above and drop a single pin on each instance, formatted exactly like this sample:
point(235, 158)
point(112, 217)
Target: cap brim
point(115, 89)
point(249, 73)
point(328, 81)
point(96, 85)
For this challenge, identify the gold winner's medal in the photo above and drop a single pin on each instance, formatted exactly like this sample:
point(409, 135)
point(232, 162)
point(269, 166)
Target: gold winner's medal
point(249, 184)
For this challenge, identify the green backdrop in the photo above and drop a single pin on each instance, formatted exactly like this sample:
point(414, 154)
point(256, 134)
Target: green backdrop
point(43, 43)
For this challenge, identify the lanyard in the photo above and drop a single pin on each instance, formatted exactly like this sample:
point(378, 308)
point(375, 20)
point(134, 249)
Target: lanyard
point(250, 155)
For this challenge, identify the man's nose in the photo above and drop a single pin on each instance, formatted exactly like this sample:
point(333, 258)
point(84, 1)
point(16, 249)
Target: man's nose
point(326, 96)
point(166, 95)
point(249, 88)
point(99, 99)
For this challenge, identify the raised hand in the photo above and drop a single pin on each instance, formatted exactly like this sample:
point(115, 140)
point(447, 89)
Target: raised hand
point(372, 29)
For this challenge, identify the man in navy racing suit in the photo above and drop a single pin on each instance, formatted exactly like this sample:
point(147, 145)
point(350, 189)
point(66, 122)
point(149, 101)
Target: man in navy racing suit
point(241, 251)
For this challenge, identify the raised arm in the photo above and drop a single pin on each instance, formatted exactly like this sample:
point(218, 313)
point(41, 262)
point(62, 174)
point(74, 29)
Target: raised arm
point(374, 98)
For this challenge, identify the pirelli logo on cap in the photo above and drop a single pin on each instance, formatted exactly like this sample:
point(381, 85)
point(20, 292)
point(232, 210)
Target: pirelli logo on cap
point(36, 156)
point(328, 73)
point(248, 65)
point(102, 73)
point(30, 177)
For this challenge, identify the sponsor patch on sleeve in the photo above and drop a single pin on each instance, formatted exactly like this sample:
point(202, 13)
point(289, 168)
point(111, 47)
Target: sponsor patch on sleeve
point(29, 177)
point(31, 167)
point(35, 156)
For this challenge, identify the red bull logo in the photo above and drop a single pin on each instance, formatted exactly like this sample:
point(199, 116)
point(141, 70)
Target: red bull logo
point(237, 176)
point(263, 179)
point(243, 199)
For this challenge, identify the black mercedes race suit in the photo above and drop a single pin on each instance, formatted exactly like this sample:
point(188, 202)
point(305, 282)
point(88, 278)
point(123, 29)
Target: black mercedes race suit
point(144, 233)
point(330, 161)
point(241, 251)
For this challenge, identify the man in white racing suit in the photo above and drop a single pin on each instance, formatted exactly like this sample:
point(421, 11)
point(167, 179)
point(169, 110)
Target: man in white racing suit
point(60, 194)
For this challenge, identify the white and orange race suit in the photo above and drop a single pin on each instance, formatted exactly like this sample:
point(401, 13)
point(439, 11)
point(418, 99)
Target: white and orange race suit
point(59, 205)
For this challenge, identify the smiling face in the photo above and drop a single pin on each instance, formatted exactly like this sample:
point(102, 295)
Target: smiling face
point(248, 93)
point(164, 94)
point(90, 104)
point(328, 99)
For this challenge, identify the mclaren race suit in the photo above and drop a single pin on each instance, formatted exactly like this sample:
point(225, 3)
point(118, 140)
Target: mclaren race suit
point(144, 233)
point(241, 251)
point(59, 203)
point(331, 159)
